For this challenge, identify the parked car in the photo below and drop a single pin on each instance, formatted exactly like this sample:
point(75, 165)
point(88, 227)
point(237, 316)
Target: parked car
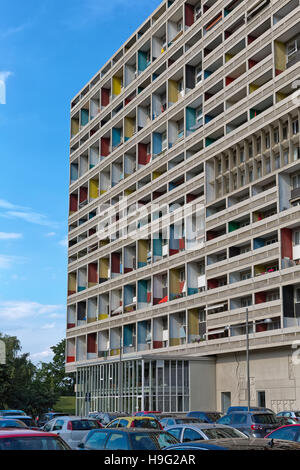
point(287, 433)
point(142, 413)
point(255, 444)
point(126, 439)
point(12, 423)
point(252, 423)
point(231, 409)
point(290, 414)
point(45, 418)
point(194, 446)
point(30, 423)
point(170, 421)
point(12, 413)
point(106, 418)
point(145, 422)
point(203, 431)
point(284, 420)
point(72, 429)
point(17, 439)
point(205, 416)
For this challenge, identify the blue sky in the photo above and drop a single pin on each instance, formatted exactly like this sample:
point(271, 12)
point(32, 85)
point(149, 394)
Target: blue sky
point(49, 49)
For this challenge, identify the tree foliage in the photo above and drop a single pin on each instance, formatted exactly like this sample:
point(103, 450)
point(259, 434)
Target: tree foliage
point(32, 388)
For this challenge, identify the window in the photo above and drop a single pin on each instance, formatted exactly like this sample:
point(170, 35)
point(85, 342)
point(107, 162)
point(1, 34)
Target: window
point(297, 237)
point(164, 140)
point(117, 441)
point(199, 116)
point(179, 26)
point(123, 423)
point(261, 399)
point(245, 276)
point(296, 181)
point(239, 418)
point(295, 126)
point(291, 47)
point(287, 434)
point(58, 425)
point(246, 302)
point(297, 295)
point(272, 296)
point(191, 435)
point(175, 432)
point(267, 141)
point(199, 73)
point(113, 424)
point(96, 441)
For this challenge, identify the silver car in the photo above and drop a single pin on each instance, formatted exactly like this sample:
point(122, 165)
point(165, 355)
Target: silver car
point(72, 429)
point(290, 414)
point(203, 431)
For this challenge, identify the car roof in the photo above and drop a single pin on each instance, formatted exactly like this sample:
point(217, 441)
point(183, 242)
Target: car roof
point(256, 412)
point(24, 432)
point(129, 430)
point(200, 426)
point(16, 417)
point(254, 443)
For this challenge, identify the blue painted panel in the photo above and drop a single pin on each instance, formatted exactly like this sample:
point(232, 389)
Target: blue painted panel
point(157, 143)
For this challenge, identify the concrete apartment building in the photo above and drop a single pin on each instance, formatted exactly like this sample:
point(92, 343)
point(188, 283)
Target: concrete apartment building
point(185, 210)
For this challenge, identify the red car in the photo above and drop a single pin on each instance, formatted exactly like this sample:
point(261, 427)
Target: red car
point(291, 432)
point(18, 439)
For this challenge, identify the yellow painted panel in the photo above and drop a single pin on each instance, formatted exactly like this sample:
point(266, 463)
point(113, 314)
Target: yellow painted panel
point(115, 352)
point(104, 265)
point(92, 284)
point(280, 55)
point(193, 322)
point(74, 126)
point(128, 191)
point(143, 251)
point(280, 96)
point(228, 57)
point(102, 316)
point(92, 319)
point(103, 191)
point(72, 282)
point(253, 87)
point(173, 91)
point(259, 269)
point(156, 174)
point(129, 127)
point(94, 189)
point(116, 85)
point(174, 281)
point(174, 341)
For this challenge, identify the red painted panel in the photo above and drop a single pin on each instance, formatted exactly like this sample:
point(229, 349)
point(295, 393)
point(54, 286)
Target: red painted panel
point(212, 284)
point(127, 270)
point(73, 202)
point(105, 143)
point(92, 273)
point(229, 80)
point(157, 344)
point(142, 154)
point(251, 39)
point(173, 252)
point(83, 194)
point(260, 297)
point(71, 359)
point(252, 63)
point(260, 328)
point(115, 263)
point(104, 96)
point(92, 343)
point(182, 244)
point(71, 292)
point(210, 235)
point(190, 198)
point(148, 297)
point(70, 325)
point(286, 243)
point(189, 14)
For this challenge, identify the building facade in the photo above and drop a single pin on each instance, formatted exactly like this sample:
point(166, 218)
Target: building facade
point(185, 210)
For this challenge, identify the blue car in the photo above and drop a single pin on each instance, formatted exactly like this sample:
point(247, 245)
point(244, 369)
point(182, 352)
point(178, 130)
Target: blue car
point(11, 413)
point(205, 416)
point(194, 446)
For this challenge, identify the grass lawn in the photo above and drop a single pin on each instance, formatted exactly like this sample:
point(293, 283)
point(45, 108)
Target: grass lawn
point(65, 405)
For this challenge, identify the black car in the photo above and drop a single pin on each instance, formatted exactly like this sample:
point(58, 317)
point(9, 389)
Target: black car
point(252, 423)
point(127, 439)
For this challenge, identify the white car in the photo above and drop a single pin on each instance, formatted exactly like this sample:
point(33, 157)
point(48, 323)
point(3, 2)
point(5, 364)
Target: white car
point(72, 429)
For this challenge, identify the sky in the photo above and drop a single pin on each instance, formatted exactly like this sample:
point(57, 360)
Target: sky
point(49, 50)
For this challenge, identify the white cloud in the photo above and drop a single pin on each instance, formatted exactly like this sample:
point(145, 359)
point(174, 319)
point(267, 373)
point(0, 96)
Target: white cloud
point(48, 326)
point(64, 242)
point(32, 217)
point(8, 205)
point(41, 356)
point(10, 236)
point(7, 262)
point(13, 311)
point(13, 30)
point(3, 78)
point(50, 234)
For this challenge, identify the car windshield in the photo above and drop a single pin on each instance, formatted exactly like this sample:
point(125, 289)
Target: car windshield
point(84, 424)
point(297, 414)
point(32, 443)
point(151, 441)
point(264, 418)
point(28, 421)
point(12, 423)
point(221, 433)
point(146, 423)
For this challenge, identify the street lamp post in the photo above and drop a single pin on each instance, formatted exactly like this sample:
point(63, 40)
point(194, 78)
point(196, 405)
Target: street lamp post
point(247, 358)
point(120, 375)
